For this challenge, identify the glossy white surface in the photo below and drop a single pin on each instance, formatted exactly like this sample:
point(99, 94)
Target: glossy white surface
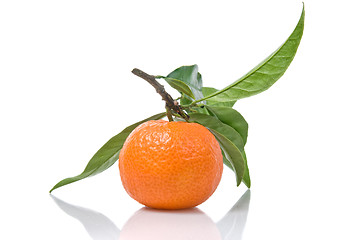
point(66, 88)
point(148, 223)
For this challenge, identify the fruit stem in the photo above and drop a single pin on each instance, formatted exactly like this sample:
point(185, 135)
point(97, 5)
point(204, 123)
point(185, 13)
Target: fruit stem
point(169, 114)
point(160, 89)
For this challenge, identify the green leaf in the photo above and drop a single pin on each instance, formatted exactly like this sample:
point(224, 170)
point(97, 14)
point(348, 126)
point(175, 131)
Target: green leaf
point(180, 86)
point(212, 102)
point(230, 140)
point(265, 74)
point(232, 118)
point(214, 123)
point(107, 155)
point(190, 76)
point(246, 176)
point(232, 154)
point(246, 179)
point(235, 120)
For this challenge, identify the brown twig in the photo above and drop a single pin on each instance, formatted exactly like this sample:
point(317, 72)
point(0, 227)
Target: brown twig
point(160, 89)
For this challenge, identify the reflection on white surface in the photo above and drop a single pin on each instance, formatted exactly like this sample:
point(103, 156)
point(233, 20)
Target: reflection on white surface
point(96, 224)
point(149, 223)
point(178, 225)
point(232, 224)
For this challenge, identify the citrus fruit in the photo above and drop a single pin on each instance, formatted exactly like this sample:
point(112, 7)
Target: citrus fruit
point(170, 165)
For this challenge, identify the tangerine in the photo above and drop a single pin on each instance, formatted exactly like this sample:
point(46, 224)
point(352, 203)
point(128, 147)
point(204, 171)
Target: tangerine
point(170, 165)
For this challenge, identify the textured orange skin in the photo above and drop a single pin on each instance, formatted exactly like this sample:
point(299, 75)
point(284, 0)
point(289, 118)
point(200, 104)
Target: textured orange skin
point(170, 165)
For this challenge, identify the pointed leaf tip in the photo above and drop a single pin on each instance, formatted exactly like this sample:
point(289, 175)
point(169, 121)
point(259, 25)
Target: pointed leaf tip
point(265, 74)
point(107, 155)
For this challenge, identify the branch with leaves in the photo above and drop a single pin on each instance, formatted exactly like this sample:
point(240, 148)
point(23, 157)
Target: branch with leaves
point(207, 106)
point(160, 89)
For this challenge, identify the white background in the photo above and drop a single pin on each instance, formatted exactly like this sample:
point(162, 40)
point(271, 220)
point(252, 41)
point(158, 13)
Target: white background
point(66, 88)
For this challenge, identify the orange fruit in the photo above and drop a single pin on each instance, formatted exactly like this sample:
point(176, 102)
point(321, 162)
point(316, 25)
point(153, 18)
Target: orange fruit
point(170, 165)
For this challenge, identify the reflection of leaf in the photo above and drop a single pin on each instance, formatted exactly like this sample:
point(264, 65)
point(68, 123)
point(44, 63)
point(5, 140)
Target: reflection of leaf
point(101, 227)
point(265, 74)
point(232, 224)
point(107, 155)
point(96, 224)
